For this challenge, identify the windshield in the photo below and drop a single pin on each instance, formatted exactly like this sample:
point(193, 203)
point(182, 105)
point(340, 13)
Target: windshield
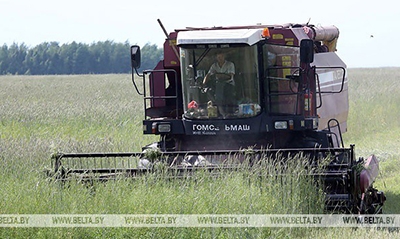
point(220, 82)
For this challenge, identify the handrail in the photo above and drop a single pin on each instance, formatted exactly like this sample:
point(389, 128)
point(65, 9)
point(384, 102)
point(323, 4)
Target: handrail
point(151, 97)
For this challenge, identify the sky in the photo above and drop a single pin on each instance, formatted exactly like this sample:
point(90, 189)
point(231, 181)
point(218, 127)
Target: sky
point(369, 30)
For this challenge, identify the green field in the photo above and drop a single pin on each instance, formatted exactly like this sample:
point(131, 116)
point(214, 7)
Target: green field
point(40, 115)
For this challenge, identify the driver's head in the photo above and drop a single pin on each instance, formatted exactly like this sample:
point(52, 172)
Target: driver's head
point(220, 57)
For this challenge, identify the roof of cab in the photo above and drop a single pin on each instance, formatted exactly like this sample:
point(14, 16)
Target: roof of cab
point(221, 36)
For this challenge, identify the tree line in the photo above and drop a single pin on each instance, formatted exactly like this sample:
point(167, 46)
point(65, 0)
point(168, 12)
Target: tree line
point(50, 58)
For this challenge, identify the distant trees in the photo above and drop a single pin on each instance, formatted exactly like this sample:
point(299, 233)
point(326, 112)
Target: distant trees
point(50, 58)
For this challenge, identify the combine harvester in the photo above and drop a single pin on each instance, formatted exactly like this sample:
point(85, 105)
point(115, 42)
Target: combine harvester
point(264, 89)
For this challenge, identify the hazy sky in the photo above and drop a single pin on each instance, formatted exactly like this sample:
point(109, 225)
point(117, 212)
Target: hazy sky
point(35, 21)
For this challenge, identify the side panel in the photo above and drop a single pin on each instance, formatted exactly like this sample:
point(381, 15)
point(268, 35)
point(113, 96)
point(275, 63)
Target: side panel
point(335, 102)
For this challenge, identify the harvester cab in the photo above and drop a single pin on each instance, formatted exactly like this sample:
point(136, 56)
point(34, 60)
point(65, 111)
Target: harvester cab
point(247, 87)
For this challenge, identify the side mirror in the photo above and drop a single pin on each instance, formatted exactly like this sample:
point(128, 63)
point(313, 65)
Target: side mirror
point(307, 51)
point(135, 56)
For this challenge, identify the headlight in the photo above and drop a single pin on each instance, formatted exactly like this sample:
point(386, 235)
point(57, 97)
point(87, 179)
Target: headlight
point(281, 125)
point(164, 128)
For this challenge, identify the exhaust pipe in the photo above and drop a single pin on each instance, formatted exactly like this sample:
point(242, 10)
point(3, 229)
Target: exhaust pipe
point(327, 33)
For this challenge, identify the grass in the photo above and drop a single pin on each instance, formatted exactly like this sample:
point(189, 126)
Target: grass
point(374, 125)
point(40, 115)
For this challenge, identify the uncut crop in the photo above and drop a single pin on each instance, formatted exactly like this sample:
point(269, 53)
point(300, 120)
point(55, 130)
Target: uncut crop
point(41, 115)
point(374, 125)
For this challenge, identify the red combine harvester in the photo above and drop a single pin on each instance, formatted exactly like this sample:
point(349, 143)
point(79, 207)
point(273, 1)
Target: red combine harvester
point(265, 88)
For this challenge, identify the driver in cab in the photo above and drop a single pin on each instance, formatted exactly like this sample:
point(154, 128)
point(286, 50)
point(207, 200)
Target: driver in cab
point(223, 71)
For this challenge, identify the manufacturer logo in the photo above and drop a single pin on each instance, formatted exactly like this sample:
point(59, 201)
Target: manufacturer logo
point(210, 129)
